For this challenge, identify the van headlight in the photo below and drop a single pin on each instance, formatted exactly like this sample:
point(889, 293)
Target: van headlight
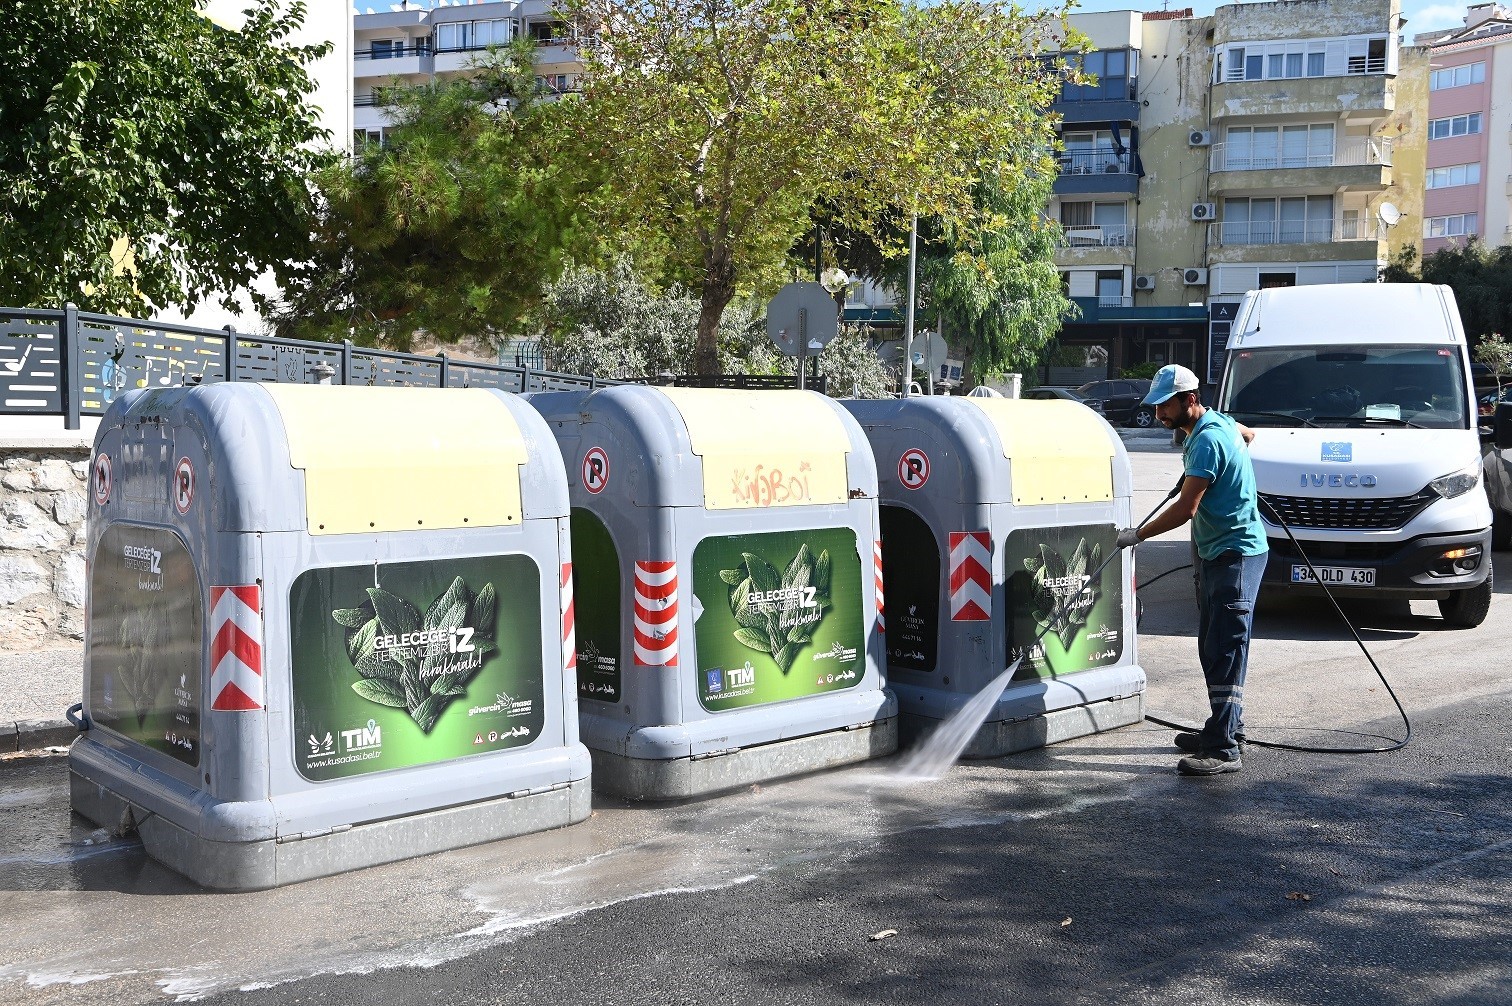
point(1457, 483)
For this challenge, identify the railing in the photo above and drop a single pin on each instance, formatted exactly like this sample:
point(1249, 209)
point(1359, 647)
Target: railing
point(71, 364)
point(1098, 161)
point(1096, 236)
point(420, 48)
point(1372, 150)
point(1114, 300)
point(1269, 232)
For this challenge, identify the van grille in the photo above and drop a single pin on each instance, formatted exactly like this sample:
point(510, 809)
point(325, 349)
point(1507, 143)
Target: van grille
point(1331, 513)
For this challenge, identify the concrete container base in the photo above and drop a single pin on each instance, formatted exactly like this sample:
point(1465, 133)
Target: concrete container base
point(258, 865)
point(1004, 737)
point(681, 778)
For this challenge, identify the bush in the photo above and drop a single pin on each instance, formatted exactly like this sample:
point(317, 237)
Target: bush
point(1142, 372)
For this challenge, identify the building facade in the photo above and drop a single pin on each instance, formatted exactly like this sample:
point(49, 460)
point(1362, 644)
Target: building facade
point(417, 44)
point(1270, 144)
point(1469, 164)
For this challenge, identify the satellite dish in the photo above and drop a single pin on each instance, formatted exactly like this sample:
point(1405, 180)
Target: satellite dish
point(1389, 214)
point(982, 391)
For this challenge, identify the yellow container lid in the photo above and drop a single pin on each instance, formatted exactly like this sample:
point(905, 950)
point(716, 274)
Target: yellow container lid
point(402, 459)
point(1060, 451)
point(765, 448)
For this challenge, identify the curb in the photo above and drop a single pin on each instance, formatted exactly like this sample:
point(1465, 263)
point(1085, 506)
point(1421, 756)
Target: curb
point(33, 734)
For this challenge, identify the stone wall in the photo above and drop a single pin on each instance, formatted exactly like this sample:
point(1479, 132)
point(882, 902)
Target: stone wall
point(42, 510)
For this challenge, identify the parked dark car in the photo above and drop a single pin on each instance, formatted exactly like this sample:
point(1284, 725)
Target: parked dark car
point(1121, 401)
point(1069, 394)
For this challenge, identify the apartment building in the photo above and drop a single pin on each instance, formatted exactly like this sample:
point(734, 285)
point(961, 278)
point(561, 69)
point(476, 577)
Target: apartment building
point(413, 43)
point(1270, 144)
point(1469, 165)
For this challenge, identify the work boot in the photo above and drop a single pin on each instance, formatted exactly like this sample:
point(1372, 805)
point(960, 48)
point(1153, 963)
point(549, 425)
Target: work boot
point(1191, 742)
point(1207, 764)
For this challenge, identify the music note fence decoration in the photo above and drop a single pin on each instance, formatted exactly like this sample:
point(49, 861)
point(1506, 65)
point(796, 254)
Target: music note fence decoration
point(72, 364)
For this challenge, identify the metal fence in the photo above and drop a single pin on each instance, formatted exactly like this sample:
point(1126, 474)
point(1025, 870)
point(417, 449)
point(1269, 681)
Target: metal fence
point(72, 364)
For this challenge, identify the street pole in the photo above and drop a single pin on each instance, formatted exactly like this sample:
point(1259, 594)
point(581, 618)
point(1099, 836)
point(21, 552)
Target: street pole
point(908, 316)
point(802, 345)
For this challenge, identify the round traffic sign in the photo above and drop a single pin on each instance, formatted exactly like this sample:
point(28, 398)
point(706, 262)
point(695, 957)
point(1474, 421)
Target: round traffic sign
point(595, 470)
point(104, 478)
point(913, 468)
point(183, 485)
point(802, 316)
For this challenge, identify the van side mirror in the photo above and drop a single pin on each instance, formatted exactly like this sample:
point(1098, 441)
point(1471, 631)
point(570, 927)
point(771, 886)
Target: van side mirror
point(1503, 426)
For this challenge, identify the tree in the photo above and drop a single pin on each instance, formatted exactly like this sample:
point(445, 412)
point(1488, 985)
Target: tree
point(730, 120)
point(148, 157)
point(453, 225)
point(1480, 277)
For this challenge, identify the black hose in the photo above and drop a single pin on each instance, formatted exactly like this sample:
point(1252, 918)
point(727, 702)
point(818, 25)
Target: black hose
point(1395, 745)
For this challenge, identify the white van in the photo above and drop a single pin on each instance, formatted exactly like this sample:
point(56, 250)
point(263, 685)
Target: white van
point(1368, 445)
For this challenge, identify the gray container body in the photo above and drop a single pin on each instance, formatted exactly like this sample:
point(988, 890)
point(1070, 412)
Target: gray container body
point(994, 513)
point(257, 763)
point(651, 520)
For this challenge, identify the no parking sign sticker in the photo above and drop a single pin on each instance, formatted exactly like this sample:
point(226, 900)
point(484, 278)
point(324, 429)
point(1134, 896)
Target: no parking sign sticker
point(913, 468)
point(595, 470)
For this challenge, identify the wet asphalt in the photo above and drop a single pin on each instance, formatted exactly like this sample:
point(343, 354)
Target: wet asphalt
point(1088, 872)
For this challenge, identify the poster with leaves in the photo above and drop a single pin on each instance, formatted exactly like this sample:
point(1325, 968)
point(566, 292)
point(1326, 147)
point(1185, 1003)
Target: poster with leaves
point(1051, 590)
point(777, 616)
point(146, 627)
point(410, 663)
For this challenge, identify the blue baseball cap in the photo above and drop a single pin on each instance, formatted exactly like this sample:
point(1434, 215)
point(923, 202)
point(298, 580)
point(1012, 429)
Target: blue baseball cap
point(1171, 380)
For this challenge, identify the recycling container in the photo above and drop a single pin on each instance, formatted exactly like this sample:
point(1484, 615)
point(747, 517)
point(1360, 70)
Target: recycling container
point(327, 628)
point(726, 582)
point(996, 514)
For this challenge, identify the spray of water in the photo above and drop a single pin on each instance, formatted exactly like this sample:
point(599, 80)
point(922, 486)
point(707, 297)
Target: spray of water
point(934, 756)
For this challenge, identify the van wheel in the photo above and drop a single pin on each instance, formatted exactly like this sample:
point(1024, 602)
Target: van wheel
point(1465, 609)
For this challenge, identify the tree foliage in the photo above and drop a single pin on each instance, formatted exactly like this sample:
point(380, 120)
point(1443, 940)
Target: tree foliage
point(1481, 278)
point(612, 323)
point(456, 223)
point(730, 120)
point(149, 158)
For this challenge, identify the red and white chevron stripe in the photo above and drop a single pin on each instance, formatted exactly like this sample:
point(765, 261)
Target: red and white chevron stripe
point(970, 576)
point(656, 614)
point(569, 620)
point(877, 566)
point(236, 679)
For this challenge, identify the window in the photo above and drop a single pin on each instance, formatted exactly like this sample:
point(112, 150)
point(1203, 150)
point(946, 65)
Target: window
point(387, 48)
point(1114, 70)
point(1454, 125)
point(1454, 174)
point(1318, 57)
point(1094, 153)
point(1454, 225)
point(1257, 147)
point(542, 32)
point(463, 35)
point(1457, 76)
point(1091, 223)
point(1289, 220)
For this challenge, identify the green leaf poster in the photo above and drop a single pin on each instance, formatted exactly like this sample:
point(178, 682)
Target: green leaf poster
point(410, 663)
point(1051, 589)
point(779, 616)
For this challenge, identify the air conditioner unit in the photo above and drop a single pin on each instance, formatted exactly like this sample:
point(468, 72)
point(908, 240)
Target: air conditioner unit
point(1194, 277)
point(1204, 211)
point(1200, 138)
point(1144, 282)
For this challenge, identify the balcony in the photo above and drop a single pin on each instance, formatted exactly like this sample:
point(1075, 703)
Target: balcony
point(1359, 96)
point(1096, 236)
point(398, 61)
point(1353, 237)
point(1109, 245)
point(1362, 165)
point(1101, 169)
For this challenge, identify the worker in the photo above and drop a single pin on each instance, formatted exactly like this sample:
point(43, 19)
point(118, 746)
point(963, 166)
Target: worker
point(1218, 496)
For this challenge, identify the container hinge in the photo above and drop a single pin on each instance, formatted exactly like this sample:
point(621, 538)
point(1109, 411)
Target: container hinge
point(538, 790)
point(714, 754)
point(318, 833)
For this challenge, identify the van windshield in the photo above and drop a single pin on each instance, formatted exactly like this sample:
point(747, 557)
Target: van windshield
point(1415, 386)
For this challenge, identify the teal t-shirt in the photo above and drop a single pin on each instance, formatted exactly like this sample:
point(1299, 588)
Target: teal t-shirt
point(1228, 516)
